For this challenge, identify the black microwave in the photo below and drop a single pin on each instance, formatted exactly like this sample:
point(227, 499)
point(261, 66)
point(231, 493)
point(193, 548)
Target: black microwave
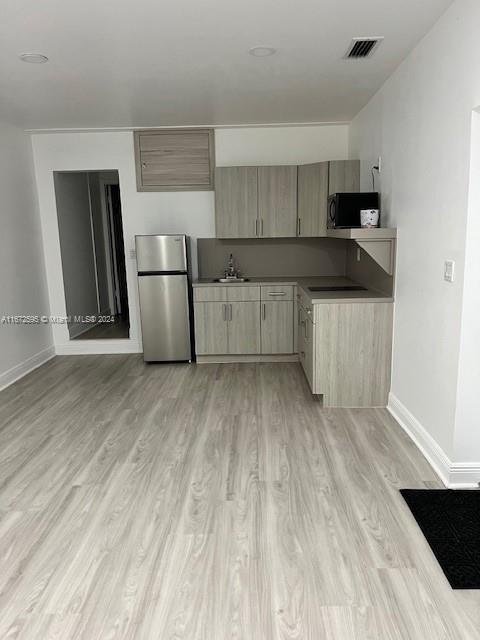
point(344, 208)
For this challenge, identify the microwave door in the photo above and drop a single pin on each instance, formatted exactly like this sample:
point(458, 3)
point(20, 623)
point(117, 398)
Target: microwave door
point(332, 213)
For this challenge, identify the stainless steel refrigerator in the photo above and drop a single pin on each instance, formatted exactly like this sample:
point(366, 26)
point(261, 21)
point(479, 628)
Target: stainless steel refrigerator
point(164, 286)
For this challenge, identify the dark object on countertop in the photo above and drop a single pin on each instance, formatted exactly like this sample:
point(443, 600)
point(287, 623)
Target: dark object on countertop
point(344, 209)
point(347, 287)
point(450, 521)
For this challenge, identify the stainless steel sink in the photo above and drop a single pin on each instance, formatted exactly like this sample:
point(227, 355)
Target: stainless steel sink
point(231, 280)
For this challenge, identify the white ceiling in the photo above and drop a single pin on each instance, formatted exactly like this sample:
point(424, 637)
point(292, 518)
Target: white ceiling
point(119, 63)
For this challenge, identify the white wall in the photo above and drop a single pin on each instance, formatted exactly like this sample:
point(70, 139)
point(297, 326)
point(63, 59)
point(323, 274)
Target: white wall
point(169, 212)
point(22, 273)
point(467, 422)
point(280, 145)
point(420, 124)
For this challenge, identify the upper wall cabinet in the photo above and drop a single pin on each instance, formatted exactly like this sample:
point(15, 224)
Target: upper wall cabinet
point(256, 202)
point(277, 202)
point(312, 199)
point(236, 202)
point(344, 176)
point(175, 159)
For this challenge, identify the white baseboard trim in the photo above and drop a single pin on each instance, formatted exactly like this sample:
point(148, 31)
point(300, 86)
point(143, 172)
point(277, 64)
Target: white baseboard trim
point(464, 475)
point(95, 347)
point(18, 371)
point(454, 475)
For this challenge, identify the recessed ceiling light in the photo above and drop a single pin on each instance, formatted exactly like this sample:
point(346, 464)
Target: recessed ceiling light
point(262, 51)
point(33, 58)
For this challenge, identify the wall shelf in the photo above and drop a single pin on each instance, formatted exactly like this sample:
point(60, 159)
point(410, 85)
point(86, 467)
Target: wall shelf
point(379, 243)
point(377, 233)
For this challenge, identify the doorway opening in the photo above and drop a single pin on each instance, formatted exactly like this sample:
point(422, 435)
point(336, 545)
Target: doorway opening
point(93, 257)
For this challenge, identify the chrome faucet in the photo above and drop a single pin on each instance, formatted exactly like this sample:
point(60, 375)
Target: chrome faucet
point(230, 271)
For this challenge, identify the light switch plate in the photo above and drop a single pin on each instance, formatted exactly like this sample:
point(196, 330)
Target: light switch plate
point(449, 270)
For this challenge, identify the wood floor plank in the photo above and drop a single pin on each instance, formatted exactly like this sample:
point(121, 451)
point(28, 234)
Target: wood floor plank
point(210, 502)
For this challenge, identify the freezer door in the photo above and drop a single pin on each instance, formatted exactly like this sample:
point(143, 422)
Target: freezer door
point(161, 253)
point(164, 312)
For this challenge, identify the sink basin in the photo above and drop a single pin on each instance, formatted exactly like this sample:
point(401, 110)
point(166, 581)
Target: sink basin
point(348, 287)
point(230, 280)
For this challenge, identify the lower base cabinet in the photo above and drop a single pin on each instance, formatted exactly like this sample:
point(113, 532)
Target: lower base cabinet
point(227, 328)
point(345, 351)
point(244, 320)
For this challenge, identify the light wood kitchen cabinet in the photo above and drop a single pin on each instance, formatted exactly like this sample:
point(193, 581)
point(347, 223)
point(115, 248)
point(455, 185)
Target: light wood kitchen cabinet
point(312, 200)
point(277, 327)
point(256, 202)
point(306, 350)
point(343, 176)
point(175, 159)
point(227, 320)
point(244, 328)
point(236, 202)
point(227, 328)
point(244, 320)
point(277, 201)
point(242, 294)
point(211, 328)
point(345, 351)
point(355, 343)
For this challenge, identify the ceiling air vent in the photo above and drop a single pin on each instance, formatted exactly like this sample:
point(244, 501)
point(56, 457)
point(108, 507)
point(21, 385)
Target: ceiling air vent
point(362, 47)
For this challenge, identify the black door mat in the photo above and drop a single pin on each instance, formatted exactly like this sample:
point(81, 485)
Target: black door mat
point(450, 521)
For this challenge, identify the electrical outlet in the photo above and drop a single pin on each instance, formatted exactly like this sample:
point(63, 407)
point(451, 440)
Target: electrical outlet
point(449, 270)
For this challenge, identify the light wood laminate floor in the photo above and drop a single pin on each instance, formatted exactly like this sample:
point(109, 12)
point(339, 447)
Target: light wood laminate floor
point(209, 502)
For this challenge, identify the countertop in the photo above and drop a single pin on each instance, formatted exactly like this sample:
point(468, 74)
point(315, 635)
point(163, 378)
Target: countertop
point(304, 282)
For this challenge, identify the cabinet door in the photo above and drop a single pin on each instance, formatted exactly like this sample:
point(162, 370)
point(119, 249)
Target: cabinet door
point(174, 159)
point(312, 199)
point(244, 327)
point(277, 202)
point(309, 353)
point(306, 341)
point(277, 327)
point(236, 202)
point(211, 337)
point(301, 335)
point(344, 176)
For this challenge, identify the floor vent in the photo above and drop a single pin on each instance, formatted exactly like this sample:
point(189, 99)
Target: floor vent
point(362, 47)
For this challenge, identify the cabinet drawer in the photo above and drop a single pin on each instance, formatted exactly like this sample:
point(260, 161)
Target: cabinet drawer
point(210, 294)
point(277, 292)
point(236, 293)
